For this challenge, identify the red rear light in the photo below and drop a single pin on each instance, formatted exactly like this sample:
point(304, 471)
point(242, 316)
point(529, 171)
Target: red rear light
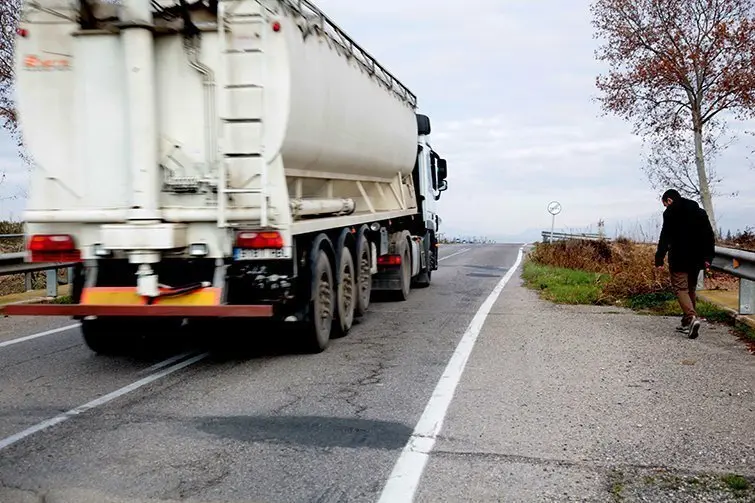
point(259, 240)
point(23, 32)
point(389, 260)
point(53, 248)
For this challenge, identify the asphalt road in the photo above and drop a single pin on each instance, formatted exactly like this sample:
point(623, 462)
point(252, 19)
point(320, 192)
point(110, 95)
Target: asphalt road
point(250, 424)
point(554, 404)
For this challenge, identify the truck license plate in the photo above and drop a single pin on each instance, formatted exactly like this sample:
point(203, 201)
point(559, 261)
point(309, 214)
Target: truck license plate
point(266, 253)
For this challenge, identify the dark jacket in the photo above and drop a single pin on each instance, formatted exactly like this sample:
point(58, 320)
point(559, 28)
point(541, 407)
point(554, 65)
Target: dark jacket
point(687, 236)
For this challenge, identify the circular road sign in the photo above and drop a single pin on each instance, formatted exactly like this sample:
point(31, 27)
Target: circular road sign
point(554, 208)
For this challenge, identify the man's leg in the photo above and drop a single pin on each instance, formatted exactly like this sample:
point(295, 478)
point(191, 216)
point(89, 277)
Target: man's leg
point(692, 281)
point(694, 328)
point(681, 287)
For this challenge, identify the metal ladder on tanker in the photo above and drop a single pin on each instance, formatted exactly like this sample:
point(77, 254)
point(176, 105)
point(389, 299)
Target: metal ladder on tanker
point(237, 100)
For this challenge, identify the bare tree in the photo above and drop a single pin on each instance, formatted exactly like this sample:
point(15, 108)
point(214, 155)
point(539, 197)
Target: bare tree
point(675, 66)
point(669, 160)
point(9, 11)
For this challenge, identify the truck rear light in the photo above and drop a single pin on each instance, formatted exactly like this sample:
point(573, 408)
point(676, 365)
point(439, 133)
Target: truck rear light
point(53, 248)
point(389, 260)
point(259, 240)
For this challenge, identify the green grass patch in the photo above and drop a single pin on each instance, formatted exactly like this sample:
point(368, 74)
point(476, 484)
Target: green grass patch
point(736, 482)
point(747, 332)
point(576, 287)
point(665, 304)
point(565, 286)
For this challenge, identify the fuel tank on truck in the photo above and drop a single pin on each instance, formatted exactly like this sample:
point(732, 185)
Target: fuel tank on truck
point(338, 117)
point(284, 99)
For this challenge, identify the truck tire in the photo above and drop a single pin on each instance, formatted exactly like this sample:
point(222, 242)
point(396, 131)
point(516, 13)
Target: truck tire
point(364, 276)
point(346, 293)
point(317, 336)
point(424, 277)
point(103, 337)
point(130, 336)
point(405, 272)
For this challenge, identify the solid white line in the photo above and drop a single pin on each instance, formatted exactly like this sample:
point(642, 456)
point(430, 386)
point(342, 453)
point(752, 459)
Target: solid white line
point(407, 472)
point(37, 336)
point(465, 250)
point(165, 363)
point(97, 402)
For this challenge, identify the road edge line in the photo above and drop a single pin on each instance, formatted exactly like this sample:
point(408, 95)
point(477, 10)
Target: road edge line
point(405, 478)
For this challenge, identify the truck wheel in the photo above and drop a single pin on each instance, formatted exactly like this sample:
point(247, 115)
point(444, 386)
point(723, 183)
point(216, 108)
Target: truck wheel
point(322, 305)
point(364, 278)
point(405, 272)
point(103, 337)
point(423, 279)
point(346, 296)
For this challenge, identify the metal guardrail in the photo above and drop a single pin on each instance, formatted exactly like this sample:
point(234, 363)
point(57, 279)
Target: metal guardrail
point(739, 263)
point(549, 237)
point(13, 263)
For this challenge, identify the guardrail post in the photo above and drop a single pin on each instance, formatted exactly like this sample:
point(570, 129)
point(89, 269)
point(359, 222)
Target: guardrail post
point(746, 296)
point(27, 282)
point(52, 283)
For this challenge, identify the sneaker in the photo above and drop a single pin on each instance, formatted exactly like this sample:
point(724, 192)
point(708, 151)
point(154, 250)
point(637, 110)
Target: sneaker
point(694, 329)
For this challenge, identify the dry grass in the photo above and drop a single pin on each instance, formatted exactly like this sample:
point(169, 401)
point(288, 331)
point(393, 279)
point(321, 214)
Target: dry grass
point(629, 266)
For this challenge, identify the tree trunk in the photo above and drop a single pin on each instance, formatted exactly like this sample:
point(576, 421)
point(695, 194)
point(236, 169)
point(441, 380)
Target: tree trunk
point(702, 175)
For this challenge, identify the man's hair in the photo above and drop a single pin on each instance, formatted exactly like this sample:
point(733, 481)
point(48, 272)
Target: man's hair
point(672, 194)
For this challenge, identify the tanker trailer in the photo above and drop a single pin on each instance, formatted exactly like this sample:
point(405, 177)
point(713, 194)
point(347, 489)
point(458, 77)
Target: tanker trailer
point(219, 159)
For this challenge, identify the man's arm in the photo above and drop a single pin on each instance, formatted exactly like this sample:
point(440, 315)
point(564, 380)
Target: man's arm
point(663, 243)
point(708, 237)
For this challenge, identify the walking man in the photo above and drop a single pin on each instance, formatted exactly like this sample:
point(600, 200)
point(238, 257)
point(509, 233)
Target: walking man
point(688, 238)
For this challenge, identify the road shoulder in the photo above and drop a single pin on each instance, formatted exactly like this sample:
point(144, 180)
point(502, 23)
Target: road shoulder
point(564, 403)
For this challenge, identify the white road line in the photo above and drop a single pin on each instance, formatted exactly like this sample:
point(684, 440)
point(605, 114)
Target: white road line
point(37, 336)
point(407, 472)
point(99, 401)
point(465, 250)
point(165, 363)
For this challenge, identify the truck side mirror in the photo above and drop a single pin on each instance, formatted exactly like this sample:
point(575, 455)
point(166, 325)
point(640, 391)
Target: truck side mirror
point(442, 169)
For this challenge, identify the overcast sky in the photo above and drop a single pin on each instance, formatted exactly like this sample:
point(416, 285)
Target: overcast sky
point(509, 88)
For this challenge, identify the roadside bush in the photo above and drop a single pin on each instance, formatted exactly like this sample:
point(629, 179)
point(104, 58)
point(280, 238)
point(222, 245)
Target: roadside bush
point(629, 267)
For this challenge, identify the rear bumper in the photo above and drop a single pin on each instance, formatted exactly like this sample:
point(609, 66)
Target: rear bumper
point(125, 302)
point(167, 311)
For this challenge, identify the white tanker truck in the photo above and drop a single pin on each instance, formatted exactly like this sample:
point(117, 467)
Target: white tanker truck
point(219, 159)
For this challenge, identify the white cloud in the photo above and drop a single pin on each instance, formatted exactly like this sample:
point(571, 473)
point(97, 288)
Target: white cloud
point(509, 87)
